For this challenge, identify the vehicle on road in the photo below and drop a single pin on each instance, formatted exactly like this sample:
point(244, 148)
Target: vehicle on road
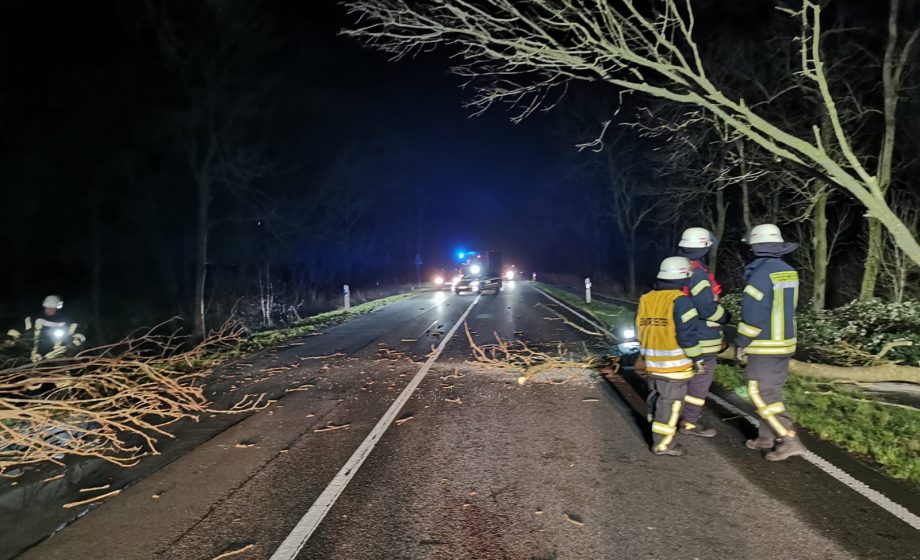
point(478, 284)
point(445, 279)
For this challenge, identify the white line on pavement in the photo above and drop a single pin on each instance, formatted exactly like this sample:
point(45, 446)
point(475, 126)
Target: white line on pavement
point(301, 533)
point(579, 315)
point(844, 478)
point(841, 476)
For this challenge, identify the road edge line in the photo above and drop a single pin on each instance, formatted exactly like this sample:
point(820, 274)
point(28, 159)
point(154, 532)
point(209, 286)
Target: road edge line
point(291, 546)
point(578, 314)
point(821, 463)
point(838, 474)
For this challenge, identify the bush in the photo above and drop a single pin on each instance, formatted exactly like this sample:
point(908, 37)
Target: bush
point(855, 331)
point(864, 325)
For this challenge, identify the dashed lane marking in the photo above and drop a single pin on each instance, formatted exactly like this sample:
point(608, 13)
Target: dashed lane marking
point(301, 533)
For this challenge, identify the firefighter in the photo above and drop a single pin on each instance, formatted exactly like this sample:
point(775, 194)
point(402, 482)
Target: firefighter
point(53, 331)
point(669, 345)
point(703, 291)
point(767, 338)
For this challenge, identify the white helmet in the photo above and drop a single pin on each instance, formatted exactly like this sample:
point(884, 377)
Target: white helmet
point(695, 237)
point(765, 233)
point(53, 302)
point(674, 268)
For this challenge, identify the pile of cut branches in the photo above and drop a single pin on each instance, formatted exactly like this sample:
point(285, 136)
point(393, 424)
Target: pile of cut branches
point(518, 356)
point(111, 402)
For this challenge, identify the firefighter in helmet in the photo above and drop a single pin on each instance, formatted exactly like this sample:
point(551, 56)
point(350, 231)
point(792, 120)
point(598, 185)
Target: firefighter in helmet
point(670, 347)
point(703, 291)
point(767, 339)
point(54, 333)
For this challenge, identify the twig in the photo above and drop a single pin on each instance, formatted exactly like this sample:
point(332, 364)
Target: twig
point(91, 500)
point(569, 323)
point(230, 553)
point(332, 427)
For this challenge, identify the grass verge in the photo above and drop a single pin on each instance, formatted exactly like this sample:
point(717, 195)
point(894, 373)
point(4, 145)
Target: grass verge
point(612, 317)
point(887, 433)
point(309, 325)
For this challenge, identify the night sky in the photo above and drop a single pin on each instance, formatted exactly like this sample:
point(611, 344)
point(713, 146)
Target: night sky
point(87, 92)
point(99, 199)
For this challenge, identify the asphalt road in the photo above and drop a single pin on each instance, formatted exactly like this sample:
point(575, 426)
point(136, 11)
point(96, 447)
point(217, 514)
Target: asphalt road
point(477, 466)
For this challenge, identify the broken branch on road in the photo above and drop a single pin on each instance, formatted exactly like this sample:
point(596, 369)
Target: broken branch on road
point(111, 402)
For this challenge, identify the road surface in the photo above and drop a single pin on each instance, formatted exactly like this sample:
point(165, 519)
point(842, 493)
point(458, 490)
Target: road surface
point(474, 465)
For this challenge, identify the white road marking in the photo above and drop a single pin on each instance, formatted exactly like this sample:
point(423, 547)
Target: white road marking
point(839, 475)
point(579, 315)
point(301, 533)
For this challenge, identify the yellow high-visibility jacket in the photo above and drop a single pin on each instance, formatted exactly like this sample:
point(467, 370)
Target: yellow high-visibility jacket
point(668, 336)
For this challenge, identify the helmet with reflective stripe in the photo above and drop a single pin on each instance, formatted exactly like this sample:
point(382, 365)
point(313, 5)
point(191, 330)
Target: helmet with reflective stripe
point(674, 268)
point(765, 233)
point(695, 237)
point(53, 302)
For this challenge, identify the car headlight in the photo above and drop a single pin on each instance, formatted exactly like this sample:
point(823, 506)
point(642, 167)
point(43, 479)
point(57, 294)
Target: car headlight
point(438, 280)
point(628, 333)
point(509, 275)
point(475, 269)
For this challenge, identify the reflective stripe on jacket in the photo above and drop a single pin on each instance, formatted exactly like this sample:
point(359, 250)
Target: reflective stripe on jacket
point(667, 333)
point(703, 291)
point(768, 305)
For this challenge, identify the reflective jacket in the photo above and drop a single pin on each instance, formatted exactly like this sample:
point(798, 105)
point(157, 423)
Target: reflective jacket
point(667, 333)
point(703, 292)
point(52, 334)
point(768, 305)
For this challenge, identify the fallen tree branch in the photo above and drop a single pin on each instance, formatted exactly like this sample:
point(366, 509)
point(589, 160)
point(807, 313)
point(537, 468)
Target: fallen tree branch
point(567, 322)
point(867, 374)
point(112, 402)
point(517, 355)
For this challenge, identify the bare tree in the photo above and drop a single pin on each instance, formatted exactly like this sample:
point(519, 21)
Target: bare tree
point(220, 86)
point(897, 55)
point(524, 53)
point(899, 274)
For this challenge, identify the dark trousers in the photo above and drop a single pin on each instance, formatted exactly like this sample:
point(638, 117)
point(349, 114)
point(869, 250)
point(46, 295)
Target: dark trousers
point(766, 377)
point(666, 397)
point(698, 390)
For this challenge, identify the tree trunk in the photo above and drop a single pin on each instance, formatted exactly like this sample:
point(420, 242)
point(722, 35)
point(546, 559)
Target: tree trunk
point(721, 208)
point(866, 374)
point(201, 258)
point(98, 329)
point(746, 207)
point(890, 86)
point(745, 192)
point(632, 262)
point(819, 290)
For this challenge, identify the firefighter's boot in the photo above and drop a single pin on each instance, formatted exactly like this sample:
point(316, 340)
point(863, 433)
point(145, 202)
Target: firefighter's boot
point(760, 443)
point(697, 429)
point(787, 447)
point(676, 451)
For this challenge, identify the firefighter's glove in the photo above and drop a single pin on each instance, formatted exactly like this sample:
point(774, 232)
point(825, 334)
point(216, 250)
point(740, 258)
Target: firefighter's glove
point(740, 355)
point(78, 339)
point(35, 357)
